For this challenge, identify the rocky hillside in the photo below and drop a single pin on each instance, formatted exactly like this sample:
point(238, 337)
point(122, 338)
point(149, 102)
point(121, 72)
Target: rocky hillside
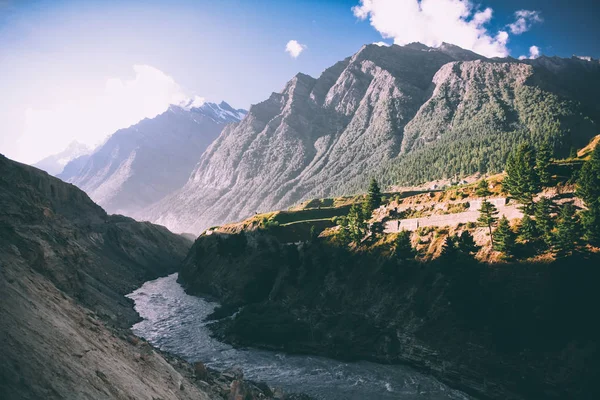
point(401, 113)
point(65, 266)
point(518, 330)
point(139, 165)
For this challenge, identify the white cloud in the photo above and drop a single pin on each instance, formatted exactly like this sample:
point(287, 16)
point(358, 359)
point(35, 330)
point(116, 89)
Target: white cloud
point(534, 52)
point(432, 22)
point(524, 19)
point(119, 103)
point(294, 48)
point(382, 44)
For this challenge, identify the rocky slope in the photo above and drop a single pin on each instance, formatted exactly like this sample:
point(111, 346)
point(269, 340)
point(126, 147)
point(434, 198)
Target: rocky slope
point(55, 163)
point(509, 331)
point(139, 165)
point(65, 266)
point(367, 114)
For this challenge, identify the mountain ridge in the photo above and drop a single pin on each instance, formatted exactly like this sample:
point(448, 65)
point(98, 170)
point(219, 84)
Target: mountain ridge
point(139, 165)
point(363, 116)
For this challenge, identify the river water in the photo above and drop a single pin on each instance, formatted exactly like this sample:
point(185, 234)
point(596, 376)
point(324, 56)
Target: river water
point(174, 322)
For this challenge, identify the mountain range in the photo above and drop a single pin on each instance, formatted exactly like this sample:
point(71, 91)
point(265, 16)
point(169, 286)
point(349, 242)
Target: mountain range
point(402, 114)
point(139, 165)
point(55, 164)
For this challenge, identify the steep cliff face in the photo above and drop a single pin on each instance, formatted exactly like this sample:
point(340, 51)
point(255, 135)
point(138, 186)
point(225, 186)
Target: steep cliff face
point(139, 165)
point(65, 266)
point(509, 331)
point(365, 115)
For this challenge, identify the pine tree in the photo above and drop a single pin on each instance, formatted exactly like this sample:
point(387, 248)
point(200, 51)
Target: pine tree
point(483, 189)
point(588, 189)
point(466, 243)
point(343, 233)
point(527, 229)
point(567, 232)
point(357, 225)
point(542, 164)
point(521, 181)
point(543, 219)
point(504, 237)
point(488, 216)
point(450, 248)
point(403, 247)
point(588, 184)
point(373, 199)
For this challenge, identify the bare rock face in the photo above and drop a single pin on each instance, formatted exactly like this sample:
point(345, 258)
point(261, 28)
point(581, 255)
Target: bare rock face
point(140, 165)
point(328, 136)
point(65, 266)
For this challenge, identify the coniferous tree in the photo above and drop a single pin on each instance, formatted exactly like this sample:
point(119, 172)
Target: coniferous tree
point(567, 232)
point(357, 225)
point(504, 237)
point(527, 229)
point(450, 248)
point(373, 199)
point(543, 219)
point(403, 247)
point(343, 233)
point(483, 189)
point(588, 189)
point(488, 217)
point(466, 244)
point(542, 164)
point(521, 181)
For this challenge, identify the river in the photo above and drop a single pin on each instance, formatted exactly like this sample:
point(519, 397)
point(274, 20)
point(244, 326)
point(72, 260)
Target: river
point(174, 322)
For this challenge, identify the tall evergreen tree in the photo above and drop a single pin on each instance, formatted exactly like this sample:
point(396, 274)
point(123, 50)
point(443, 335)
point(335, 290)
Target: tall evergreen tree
point(542, 164)
point(527, 229)
point(588, 189)
point(373, 199)
point(488, 215)
point(543, 219)
point(466, 244)
point(522, 182)
point(450, 248)
point(504, 237)
point(343, 233)
point(483, 189)
point(357, 225)
point(567, 230)
point(403, 247)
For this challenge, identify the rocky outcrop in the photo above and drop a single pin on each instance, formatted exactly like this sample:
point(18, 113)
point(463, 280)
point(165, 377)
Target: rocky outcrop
point(504, 331)
point(140, 165)
point(65, 266)
point(367, 114)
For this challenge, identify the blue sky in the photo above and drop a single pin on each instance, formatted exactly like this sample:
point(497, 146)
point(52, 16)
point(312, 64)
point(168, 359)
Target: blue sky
point(58, 57)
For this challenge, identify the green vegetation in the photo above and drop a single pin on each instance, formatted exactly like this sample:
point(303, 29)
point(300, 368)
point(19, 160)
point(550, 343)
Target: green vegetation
point(488, 215)
point(588, 189)
point(403, 249)
point(373, 199)
point(504, 237)
point(522, 181)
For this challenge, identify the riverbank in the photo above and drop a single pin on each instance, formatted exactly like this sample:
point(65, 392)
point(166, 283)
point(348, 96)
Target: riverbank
point(499, 331)
point(175, 322)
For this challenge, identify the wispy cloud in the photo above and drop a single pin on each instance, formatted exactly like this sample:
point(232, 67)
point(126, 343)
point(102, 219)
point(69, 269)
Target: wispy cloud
point(294, 48)
point(431, 22)
point(524, 20)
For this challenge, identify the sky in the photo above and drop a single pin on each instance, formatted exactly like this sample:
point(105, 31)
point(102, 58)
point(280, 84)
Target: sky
point(80, 70)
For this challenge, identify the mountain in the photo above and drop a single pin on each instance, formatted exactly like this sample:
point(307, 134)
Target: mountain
point(399, 113)
point(55, 163)
point(65, 266)
point(139, 165)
